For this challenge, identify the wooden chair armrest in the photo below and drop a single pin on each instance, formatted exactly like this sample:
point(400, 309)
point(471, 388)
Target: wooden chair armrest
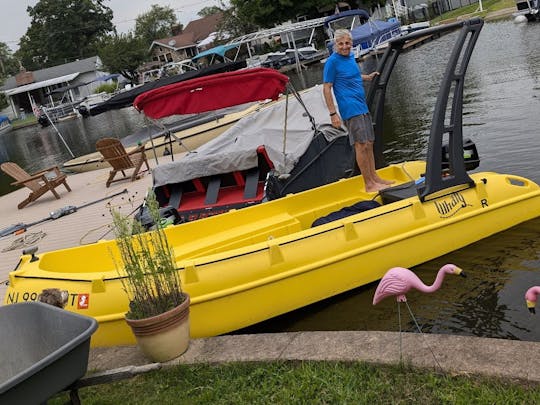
point(39, 175)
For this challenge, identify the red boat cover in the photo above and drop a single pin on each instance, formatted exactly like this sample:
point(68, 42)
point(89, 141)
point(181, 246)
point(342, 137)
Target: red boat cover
point(212, 92)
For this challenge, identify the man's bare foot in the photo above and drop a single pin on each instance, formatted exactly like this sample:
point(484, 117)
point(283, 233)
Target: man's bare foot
point(383, 181)
point(374, 187)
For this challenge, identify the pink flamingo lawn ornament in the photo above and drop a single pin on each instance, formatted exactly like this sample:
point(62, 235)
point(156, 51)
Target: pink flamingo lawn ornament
point(398, 281)
point(531, 297)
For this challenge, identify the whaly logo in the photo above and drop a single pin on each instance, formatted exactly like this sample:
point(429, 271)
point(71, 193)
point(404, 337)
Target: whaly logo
point(449, 208)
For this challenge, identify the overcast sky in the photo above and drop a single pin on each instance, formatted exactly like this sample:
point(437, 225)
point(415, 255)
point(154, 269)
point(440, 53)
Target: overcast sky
point(15, 19)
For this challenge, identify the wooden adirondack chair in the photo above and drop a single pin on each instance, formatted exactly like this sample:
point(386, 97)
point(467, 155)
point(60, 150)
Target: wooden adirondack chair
point(39, 183)
point(120, 160)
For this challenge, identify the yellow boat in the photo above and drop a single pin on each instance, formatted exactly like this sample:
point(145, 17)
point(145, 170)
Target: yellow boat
point(245, 266)
point(252, 264)
point(191, 138)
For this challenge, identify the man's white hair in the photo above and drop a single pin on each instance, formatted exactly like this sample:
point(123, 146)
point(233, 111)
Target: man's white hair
point(340, 33)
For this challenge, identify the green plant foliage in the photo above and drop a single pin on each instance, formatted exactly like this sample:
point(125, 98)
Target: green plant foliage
point(155, 24)
point(123, 54)
point(306, 383)
point(148, 269)
point(106, 88)
point(63, 30)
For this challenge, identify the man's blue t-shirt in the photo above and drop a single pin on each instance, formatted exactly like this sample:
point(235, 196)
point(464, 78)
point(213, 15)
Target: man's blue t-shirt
point(346, 78)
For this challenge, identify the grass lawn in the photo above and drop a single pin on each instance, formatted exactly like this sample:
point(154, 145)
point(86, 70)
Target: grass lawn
point(305, 383)
point(29, 120)
point(487, 6)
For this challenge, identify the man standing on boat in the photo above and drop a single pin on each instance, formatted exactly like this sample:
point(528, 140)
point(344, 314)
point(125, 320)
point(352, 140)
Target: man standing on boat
point(342, 75)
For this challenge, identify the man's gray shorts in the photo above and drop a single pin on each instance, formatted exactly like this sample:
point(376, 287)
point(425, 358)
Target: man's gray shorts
point(360, 129)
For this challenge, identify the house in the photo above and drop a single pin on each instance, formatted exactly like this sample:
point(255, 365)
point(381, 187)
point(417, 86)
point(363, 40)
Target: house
point(67, 83)
point(185, 45)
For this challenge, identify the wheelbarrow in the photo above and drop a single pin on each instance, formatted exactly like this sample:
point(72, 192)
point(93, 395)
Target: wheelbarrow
point(44, 350)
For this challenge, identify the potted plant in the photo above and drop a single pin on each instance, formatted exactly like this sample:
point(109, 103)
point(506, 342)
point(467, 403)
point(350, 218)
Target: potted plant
point(158, 309)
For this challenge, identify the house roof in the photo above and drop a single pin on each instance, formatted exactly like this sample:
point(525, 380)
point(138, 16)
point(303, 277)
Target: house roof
point(203, 27)
point(41, 84)
point(195, 31)
point(184, 40)
point(79, 66)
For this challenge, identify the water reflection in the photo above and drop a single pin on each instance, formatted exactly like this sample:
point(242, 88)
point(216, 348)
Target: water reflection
point(488, 303)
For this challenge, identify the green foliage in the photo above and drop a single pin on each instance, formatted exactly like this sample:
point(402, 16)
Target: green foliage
point(106, 88)
point(3, 101)
point(151, 280)
point(8, 64)
point(206, 11)
point(63, 30)
point(265, 14)
point(155, 24)
point(123, 54)
point(305, 383)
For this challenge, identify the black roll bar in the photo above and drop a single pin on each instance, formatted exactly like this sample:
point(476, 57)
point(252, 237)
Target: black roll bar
point(453, 80)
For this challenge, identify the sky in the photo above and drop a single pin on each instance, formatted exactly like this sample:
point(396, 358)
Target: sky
point(15, 19)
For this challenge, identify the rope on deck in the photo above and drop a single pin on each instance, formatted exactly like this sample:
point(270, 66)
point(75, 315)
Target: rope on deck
point(28, 239)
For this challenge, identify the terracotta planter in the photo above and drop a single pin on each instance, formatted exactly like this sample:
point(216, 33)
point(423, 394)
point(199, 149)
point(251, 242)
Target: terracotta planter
point(163, 337)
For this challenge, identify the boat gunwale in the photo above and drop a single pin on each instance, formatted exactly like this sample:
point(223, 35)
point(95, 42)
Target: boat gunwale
point(336, 225)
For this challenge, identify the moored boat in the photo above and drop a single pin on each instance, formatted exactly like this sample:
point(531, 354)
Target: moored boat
point(530, 9)
point(5, 124)
point(286, 147)
point(187, 135)
point(367, 34)
point(249, 265)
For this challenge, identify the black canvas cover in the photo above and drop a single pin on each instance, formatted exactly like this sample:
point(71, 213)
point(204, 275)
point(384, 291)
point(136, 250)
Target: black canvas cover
point(126, 98)
point(324, 161)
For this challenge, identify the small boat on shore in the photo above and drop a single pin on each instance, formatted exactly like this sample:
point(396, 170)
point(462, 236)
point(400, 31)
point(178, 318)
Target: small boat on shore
point(5, 124)
point(530, 9)
point(249, 265)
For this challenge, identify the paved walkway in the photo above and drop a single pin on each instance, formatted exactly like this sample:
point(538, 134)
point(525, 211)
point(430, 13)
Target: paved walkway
point(453, 354)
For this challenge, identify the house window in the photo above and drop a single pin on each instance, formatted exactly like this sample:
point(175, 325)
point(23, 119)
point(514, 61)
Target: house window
point(169, 57)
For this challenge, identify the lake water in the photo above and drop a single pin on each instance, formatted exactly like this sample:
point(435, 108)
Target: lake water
point(501, 114)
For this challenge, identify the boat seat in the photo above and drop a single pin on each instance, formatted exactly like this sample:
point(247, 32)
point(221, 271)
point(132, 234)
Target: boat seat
point(252, 183)
point(212, 190)
point(175, 196)
point(399, 192)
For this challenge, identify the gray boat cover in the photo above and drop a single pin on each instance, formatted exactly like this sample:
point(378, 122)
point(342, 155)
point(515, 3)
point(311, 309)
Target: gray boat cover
point(236, 148)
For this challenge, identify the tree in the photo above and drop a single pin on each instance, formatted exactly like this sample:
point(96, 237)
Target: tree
point(123, 54)
point(206, 11)
point(8, 64)
point(265, 14)
point(63, 30)
point(155, 24)
point(236, 21)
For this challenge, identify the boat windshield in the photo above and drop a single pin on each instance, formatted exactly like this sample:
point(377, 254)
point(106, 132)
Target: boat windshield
point(347, 22)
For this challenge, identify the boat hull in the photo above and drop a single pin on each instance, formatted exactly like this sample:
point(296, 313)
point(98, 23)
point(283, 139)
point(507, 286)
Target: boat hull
point(246, 266)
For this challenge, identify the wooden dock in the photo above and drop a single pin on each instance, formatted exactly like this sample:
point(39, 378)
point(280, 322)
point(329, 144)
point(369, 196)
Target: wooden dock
point(86, 225)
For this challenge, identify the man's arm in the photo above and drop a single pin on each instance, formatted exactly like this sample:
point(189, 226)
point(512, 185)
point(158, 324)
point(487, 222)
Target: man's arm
point(370, 76)
point(329, 99)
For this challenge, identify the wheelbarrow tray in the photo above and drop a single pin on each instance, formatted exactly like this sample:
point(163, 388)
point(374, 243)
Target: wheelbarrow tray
point(44, 350)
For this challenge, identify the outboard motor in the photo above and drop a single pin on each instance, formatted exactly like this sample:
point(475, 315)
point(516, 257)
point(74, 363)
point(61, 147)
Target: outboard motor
point(470, 155)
